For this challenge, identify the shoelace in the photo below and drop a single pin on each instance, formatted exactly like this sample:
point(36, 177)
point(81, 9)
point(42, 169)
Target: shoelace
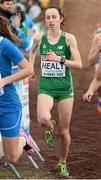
point(49, 138)
point(63, 169)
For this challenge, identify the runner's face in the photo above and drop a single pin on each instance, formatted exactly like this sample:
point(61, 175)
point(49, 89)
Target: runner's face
point(52, 19)
point(7, 5)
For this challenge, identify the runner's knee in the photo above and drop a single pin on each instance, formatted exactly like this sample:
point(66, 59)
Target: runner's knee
point(43, 118)
point(12, 157)
point(64, 133)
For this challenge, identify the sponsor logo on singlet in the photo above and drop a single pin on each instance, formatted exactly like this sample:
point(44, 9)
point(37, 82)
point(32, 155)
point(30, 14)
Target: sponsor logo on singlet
point(60, 47)
point(44, 46)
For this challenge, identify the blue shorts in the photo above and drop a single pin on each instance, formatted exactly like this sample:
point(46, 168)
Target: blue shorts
point(10, 124)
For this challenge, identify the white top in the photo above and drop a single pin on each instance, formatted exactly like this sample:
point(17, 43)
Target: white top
point(34, 11)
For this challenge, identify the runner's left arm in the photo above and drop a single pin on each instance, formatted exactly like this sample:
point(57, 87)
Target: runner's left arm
point(26, 70)
point(73, 63)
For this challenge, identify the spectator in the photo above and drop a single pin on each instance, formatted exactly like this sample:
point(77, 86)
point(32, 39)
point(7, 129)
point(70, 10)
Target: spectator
point(6, 30)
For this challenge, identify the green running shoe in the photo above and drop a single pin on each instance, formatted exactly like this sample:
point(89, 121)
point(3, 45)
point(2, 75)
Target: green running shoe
point(49, 138)
point(62, 170)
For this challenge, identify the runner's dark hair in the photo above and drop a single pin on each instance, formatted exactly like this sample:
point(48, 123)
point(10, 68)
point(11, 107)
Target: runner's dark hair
point(59, 11)
point(2, 1)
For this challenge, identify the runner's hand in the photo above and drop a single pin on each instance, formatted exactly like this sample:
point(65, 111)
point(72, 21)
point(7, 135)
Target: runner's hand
point(32, 77)
point(51, 56)
point(88, 96)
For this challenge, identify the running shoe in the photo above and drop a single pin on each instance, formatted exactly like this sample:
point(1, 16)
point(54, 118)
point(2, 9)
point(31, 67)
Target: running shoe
point(99, 105)
point(29, 147)
point(49, 138)
point(62, 170)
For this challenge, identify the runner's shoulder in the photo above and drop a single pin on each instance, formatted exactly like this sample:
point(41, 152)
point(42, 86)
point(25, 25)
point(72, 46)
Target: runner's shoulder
point(70, 38)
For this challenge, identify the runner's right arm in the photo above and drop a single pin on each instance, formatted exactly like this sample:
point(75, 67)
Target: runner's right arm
point(94, 85)
point(33, 51)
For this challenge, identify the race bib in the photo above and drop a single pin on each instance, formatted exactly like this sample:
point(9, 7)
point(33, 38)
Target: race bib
point(52, 69)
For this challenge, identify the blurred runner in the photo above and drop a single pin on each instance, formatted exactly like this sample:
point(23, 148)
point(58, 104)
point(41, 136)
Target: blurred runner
point(95, 54)
point(13, 140)
point(98, 61)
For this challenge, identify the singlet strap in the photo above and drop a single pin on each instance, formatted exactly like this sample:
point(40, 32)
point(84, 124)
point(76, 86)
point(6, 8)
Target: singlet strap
point(63, 33)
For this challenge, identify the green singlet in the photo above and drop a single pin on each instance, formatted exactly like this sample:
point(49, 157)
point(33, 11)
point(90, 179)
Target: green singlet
point(55, 79)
